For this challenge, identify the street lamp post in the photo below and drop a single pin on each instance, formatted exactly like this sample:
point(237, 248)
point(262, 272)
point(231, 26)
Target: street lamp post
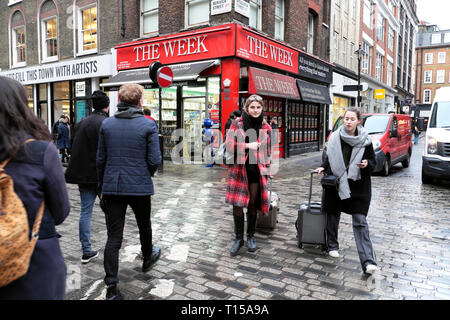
point(359, 52)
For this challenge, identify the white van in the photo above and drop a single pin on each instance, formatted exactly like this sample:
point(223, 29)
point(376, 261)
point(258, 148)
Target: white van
point(436, 155)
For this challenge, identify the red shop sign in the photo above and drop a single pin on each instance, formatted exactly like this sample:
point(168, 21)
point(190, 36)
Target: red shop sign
point(254, 47)
point(208, 43)
point(272, 84)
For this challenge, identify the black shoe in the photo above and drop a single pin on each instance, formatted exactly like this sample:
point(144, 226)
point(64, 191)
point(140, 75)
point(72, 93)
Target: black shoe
point(236, 246)
point(113, 293)
point(148, 262)
point(251, 243)
point(88, 257)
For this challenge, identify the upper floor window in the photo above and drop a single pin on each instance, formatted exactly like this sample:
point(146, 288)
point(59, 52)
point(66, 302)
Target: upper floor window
point(427, 96)
point(380, 28)
point(366, 59)
point(353, 9)
point(149, 16)
point(367, 15)
point(18, 44)
point(344, 52)
point(345, 2)
point(441, 57)
point(429, 58)
point(49, 31)
point(336, 46)
point(391, 36)
point(379, 67)
point(279, 19)
point(428, 76)
point(391, 6)
point(351, 54)
point(440, 76)
point(447, 37)
point(435, 38)
point(255, 14)
point(87, 30)
point(389, 73)
point(311, 31)
point(197, 12)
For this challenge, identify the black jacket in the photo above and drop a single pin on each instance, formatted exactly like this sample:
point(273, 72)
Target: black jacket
point(82, 168)
point(361, 190)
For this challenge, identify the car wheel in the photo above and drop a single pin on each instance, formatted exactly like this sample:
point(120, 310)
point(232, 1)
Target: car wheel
point(405, 163)
point(386, 166)
point(426, 179)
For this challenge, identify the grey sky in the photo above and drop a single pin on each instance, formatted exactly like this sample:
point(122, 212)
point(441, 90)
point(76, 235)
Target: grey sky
point(434, 12)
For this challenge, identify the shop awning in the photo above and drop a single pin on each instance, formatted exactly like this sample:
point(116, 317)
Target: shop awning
point(313, 92)
point(272, 84)
point(181, 72)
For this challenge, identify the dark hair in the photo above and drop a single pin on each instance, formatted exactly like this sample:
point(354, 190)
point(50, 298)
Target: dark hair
point(147, 112)
point(355, 110)
point(237, 113)
point(17, 121)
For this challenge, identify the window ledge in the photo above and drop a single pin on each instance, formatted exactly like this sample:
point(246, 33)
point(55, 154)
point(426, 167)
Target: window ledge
point(52, 59)
point(85, 53)
point(19, 65)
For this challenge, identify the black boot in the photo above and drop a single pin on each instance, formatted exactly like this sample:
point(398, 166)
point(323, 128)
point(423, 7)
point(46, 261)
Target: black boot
point(251, 227)
point(239, 230)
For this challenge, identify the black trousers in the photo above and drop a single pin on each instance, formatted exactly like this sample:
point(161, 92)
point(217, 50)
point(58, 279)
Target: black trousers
point(115, 209)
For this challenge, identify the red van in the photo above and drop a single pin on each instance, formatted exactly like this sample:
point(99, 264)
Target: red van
point(391, 138)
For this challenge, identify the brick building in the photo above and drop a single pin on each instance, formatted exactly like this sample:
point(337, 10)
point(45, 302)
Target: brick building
point(432, 62)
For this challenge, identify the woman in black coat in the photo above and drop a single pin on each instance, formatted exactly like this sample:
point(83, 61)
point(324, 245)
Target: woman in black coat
point(38, 176)
point(350, 157)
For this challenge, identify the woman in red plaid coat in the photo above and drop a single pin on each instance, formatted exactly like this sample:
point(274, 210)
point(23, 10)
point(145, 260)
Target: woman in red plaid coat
point(249, 139)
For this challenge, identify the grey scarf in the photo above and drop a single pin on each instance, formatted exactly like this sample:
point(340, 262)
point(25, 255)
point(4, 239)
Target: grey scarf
point(336, 159)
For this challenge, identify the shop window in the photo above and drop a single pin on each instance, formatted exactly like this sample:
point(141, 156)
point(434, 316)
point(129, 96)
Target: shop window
point(279, 19)
point(254, 20)
point(149, 17)
point(87, 30)
point(42, 107)
point(197, 12)
point(30, 97)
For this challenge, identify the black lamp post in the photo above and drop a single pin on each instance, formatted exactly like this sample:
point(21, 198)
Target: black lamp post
point(359, 52)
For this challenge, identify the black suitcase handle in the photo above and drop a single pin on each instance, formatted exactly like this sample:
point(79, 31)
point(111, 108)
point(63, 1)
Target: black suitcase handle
point(310, 186)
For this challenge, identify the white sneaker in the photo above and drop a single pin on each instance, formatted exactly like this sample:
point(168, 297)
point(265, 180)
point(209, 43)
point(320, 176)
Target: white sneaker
point(334, 253)
point(371, 268)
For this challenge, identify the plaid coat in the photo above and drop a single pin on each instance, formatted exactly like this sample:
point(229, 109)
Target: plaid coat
point(237, 188)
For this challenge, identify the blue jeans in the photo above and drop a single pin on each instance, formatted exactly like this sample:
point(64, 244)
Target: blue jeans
point(416, 138)
point(87, 203)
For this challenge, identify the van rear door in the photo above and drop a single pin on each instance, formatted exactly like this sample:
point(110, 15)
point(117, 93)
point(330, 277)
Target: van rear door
point(394, 142)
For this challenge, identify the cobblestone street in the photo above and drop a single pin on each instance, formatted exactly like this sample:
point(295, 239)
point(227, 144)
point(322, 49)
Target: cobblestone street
point(409, 224)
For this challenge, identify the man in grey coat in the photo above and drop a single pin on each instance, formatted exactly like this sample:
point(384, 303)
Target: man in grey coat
point(127, 157)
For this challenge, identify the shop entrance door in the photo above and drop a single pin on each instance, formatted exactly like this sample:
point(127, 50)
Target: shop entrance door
point(194, 111)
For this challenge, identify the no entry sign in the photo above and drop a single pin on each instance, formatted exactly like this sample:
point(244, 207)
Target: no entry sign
point(164, 76)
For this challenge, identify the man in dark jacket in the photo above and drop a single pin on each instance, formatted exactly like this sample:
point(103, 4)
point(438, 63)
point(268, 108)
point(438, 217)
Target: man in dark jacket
point(82, 168)
point(127, 157)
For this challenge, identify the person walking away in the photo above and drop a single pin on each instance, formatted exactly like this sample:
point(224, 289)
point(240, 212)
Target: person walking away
point(29, 157)
point(82, 168)
point(249, 137)
point(416, 130)
point(127, 179)
point(63, 139)
point(55, 128)
point(350, 157)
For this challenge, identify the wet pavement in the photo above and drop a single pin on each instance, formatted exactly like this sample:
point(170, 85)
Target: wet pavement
point(409, 227)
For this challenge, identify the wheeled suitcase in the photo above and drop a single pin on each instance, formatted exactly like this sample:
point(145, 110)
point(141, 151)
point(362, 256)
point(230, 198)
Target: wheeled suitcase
point(270, 220)
point(311, 222)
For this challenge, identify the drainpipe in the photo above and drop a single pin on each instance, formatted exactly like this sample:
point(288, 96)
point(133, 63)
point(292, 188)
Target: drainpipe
point(122, 29)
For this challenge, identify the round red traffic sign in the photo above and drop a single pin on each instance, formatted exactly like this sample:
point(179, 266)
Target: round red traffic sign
point(164, 76)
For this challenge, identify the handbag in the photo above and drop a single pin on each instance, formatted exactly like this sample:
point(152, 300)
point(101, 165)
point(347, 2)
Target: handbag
point(330, 182)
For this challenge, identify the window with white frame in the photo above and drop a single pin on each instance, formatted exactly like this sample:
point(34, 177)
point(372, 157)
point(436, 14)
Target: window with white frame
point(311, 27)
point(435, 38)
point(279, 19)
point(366, 59)
point(429, 58)
point(336, 46)
point(428, 76)
point(49, 39)
point(345, 2)
point(441, 57)
point(427, 96)
point(391, 36)
point(391, 6)
point(149, 16)
point(255, 14)
point(344, 52)
point(367, 14)
point(389, 73)
point(19, 46)
point(379, 67)
point(197, 12)
point(440, 76)
point(351, 54)
point(87, 30)
point(447, 37)
point(380, 27)
point(353, 9)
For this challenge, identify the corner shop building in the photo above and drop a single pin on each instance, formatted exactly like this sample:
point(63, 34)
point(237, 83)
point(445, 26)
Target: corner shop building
point(215, 69)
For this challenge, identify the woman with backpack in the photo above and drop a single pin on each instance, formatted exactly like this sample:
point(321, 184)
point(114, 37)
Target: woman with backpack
point(249, 138)
point(350, 158)
point(30, 160)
